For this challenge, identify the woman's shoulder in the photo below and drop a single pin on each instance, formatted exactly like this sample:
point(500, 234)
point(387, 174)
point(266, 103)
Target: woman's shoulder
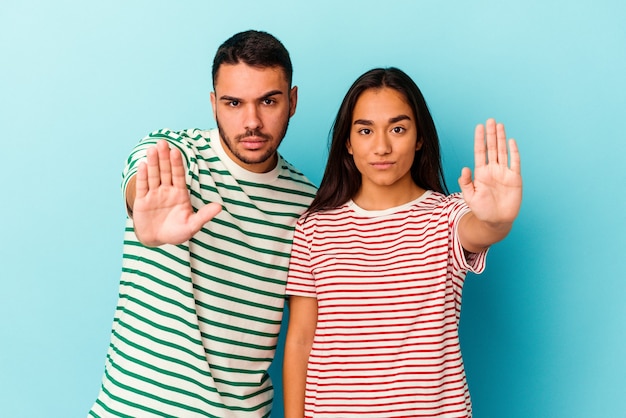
point(325, 215)
point(440, 199)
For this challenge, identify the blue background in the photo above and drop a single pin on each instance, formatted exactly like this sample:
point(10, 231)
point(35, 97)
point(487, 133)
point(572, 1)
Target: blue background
point(543, 329)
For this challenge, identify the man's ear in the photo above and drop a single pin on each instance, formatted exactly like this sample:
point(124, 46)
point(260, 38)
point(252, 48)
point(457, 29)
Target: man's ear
point(214, 105)
point(293, 100)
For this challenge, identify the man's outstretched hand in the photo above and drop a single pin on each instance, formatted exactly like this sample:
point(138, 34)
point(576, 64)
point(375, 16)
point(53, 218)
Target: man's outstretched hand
point(162, 211)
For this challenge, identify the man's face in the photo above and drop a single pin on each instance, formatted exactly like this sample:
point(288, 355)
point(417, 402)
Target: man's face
point(252, 107)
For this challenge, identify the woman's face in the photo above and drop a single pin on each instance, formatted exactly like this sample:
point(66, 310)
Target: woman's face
point(383, 139)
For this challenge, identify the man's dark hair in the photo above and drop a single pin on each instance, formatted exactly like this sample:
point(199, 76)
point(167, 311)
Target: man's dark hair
point(254, 48)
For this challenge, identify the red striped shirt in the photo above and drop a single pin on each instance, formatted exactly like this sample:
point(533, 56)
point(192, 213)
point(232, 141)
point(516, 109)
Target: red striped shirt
point(388, 285)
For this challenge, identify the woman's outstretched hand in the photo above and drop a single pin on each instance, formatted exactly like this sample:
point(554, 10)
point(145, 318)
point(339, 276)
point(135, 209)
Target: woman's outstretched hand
point(495, 194)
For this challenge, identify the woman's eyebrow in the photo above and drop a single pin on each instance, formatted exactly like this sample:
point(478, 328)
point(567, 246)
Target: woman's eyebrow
point(395, 119)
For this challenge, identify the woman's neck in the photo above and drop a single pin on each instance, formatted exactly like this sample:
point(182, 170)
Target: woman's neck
point(371, 197)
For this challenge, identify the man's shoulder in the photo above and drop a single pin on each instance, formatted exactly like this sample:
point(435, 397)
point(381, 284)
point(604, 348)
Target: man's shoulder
point(290, 172)
point(191, 134)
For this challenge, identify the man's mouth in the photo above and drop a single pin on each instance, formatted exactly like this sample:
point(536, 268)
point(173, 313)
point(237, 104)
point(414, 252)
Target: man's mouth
point(253, 140)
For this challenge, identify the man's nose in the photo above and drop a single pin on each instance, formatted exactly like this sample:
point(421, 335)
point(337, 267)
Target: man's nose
point(252, 119)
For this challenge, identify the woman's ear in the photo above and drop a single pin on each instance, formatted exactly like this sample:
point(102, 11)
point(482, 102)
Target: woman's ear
point(418, 146)
point(349, 146)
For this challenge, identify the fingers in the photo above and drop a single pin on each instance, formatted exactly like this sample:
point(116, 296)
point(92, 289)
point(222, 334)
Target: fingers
point(178, 169)
point(480, 157)
point(492, 141)
point(141, 181)
point(205, 214)
point(515, 158)
point(501, 139)
point(465, 183)
point(201, 217)
point(154, 175)
point(490, 144)
point(164, 167)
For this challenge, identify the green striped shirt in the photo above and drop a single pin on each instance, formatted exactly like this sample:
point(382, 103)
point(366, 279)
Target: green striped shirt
point(196, 325)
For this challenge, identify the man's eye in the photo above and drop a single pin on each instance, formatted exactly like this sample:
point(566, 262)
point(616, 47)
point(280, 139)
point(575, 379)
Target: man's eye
point(269, 101)
point(233, 103)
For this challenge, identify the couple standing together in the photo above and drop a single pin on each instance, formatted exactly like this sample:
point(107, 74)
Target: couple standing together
point(373, 279)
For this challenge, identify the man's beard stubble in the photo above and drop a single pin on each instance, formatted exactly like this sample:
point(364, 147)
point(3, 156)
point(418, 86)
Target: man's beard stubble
point(263, 158)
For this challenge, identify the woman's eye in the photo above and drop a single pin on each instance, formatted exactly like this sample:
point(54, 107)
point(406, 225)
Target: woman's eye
point(365, 131)
point(398, 130)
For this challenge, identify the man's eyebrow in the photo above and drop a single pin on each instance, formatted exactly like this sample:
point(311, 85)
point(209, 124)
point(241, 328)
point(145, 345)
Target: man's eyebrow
point(229, 98)
point(271, 93)
point(264, 96)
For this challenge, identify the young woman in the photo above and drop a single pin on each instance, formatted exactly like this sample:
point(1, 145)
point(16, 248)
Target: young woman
point(378, 261)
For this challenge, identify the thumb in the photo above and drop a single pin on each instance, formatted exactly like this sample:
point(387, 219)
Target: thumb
point(465, 183)
point(204, 215)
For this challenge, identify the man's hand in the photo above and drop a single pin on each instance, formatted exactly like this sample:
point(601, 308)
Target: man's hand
point(495, 195)
point(162, 211)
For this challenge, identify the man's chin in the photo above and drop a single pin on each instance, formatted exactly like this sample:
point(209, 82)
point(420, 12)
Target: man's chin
point(260, 156)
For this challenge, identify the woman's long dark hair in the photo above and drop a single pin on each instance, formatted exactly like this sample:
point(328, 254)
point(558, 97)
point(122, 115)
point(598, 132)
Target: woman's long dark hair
point(342, 179)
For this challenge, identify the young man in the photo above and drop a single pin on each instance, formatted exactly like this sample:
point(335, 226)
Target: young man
point(206, 250)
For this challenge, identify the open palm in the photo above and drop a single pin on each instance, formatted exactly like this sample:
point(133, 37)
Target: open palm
point(495, 194)
point(162, 210)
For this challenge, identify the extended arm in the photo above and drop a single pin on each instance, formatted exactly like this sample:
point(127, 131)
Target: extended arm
point(300, 333)
point(495, 194)
point(159, 202)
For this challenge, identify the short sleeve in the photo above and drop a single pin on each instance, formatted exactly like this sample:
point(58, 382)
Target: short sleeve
point(462, 260)
point(138, 154)
point(300, 279)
